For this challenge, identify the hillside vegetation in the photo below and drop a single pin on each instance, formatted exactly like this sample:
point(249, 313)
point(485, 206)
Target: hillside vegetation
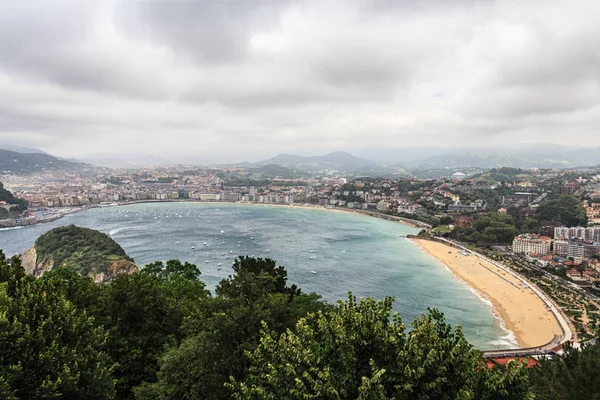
point(82, 250)
point(15, 205)
point(159, 334)
point(505, 174)
point(20, 163)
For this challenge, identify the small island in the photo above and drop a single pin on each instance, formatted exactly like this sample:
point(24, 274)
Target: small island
point(85, 251)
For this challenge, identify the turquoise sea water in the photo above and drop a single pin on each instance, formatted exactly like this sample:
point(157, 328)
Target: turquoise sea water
point(353, 252)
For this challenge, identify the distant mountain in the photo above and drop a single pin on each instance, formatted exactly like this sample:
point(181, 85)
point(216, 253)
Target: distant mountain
point(539, 155)
point(21, 149)
point(337, 160)
point(24, 163)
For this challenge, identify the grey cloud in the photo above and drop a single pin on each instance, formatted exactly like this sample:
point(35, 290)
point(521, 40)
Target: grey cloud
point(292, 74)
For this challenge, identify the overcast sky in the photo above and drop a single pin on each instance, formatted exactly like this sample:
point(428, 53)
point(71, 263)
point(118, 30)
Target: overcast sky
point(228, 79)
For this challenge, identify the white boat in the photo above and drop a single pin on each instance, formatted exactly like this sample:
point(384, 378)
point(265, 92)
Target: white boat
point(312, 258)
point(268, 251)
point(206, 262)
point(219, 264)
point(312, 251)
point(314, 272)
point(205, 243)
point(193, 247)
point(222, 232)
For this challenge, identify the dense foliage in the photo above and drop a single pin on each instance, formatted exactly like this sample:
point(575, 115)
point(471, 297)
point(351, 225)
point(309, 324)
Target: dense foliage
point(490, 228)
point(573, 376)
point(159, 334)
point(81, 249)
point(361, 351)
point(566, 210)
point(5, 195)
point(49, 348)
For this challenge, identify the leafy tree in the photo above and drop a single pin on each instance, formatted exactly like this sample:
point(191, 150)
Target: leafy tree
point(361, 351)
point(48, 348)
point(572, 376)
point(145, 312)
point(254, 277)
point(446, 220)
point(530, 225)
point(222, 329)
point(488, 229)
point(566, 210)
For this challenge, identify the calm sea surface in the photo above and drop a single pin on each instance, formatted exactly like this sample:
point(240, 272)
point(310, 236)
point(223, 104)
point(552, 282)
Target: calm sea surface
point(353, 252)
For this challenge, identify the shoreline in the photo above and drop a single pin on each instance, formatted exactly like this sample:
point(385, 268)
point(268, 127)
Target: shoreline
point(392, 218)
point(517, 307)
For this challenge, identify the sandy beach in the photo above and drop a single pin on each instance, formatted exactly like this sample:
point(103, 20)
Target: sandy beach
point(523, 312)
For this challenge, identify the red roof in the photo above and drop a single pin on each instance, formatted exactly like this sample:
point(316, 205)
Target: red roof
point(492, 362)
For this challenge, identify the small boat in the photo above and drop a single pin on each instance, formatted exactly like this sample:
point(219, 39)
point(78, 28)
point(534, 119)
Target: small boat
point(251, 237)
point(177, 242)
point(193, 247)
point(314, 272)
point(240, 242)
point(268, 251)
point(206, 262)
point(219, 264)
point(222, 242)
point(205, 244)
point(312, 251)
point(312, 258)
point(222, 232)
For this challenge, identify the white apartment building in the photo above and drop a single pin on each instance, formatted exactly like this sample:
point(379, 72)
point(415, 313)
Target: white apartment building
point(531, 244)
point(591, 234)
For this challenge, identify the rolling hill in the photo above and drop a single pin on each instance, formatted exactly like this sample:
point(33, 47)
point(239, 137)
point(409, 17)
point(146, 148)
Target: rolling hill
point(337, 160)
point(25, 163)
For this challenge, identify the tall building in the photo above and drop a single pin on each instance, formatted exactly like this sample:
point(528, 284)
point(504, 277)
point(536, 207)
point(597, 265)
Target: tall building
point(591, 234)
point(560, 247)
point(531, 244)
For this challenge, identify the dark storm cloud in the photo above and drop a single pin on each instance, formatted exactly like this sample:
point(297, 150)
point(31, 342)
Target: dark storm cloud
point(82, 76)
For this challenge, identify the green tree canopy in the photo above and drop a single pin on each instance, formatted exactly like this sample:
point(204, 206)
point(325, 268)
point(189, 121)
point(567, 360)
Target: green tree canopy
point(48, 348)
point(572, 376)
point(566, 210)
point(362, 351)
point(8, 197)
point(220, 330)
point(84, 250)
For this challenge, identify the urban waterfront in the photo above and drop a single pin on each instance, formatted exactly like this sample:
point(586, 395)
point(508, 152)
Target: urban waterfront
point(330, 253)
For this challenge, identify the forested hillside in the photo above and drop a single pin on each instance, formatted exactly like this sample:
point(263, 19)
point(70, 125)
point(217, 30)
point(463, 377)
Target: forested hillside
point(14, 206)
point(159, 334)
point(83, 250)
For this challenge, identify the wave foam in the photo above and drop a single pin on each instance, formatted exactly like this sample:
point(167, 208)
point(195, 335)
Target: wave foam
point(115, 231)
point(11, 228)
